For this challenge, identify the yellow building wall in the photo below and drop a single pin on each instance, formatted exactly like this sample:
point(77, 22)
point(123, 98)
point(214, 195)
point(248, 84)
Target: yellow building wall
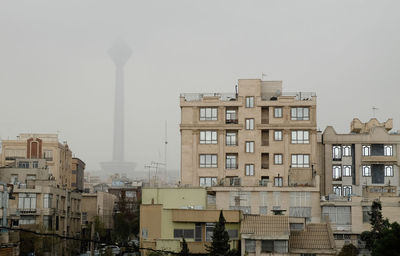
point(175, 197)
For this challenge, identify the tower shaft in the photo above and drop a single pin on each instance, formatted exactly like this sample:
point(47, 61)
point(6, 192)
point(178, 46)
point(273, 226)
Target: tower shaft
point(118, 149)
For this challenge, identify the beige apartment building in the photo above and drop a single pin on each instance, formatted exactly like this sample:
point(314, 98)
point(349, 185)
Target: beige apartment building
point(360, 166)
point(77, 174)
point(255, 150)
point(58, 156)
point(255, 136)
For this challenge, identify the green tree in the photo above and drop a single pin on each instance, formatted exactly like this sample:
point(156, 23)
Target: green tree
point(185, 250)
point(389, 242)
point(348, 250)
point(378, 223)
point(220, 239)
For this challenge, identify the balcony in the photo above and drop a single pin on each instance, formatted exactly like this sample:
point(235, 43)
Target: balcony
point(379, 159)
point(296, 95)
point(198, 247)
point(25, 211)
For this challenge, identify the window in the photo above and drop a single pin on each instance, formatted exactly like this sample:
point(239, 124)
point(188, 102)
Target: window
point(183, 233)
point(347, 171)
point(296, 226)
point(278, 158)
point(340, 215)
point(208, 181)
point(366, 150)
point(249, 146)
point(277, 135)
point(388, 171)
point(35, 164)
point(230, 116)
point(346, 150)
point(26, 201)
point(208, 137)
point(337, 189)
point(347, 190)
point(48, 222)
point(231, 162)
point(48, 155)
point(336, 172)
point(278, 246)
point(233, 234)
point(231, 139)
point(300, 114)
point(277, 112)
point(208, 161)
point(31, 177)
point(300, 205)
point(23, 164)
point(250, 124)
point(249, 170)
point(336, 152)
point(366, 213)
point(300, 161)
point(27, 220)
point(84, 217)
point(366, 170)
point(209, 231)
point(278, 181)
point(263, 210)
point(388, 150)
point(14, 179)
point(300, 137)
point(250, 245)
point(249, 102)
point(208, 114)
point(47, 198)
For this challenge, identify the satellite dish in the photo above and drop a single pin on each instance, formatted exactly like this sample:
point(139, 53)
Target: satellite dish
point(278, 93)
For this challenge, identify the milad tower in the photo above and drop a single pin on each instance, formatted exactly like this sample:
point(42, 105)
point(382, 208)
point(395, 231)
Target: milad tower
point(120, 53)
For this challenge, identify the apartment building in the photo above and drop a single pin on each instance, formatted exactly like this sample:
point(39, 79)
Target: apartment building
point(169, 214)
point(259, 134)
point(77, 174)
point(255, 150)
point(360, 166)
point(58, 156)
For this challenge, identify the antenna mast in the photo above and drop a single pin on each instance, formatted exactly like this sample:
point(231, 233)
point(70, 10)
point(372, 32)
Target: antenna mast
point(165, 147)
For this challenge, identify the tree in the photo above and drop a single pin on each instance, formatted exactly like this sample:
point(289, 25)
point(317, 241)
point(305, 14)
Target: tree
point(348, 250)
point(389, 241)
point(220, 239)
point(185, 249)
point(378, 223)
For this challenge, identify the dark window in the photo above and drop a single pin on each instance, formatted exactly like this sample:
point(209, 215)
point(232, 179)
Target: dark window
point(198, 234)
point(267, 246)
point(377, 150)
point(233, 234)
point(378, 173)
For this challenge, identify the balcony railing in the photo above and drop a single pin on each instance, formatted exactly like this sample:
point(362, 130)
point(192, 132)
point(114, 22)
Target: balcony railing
point(298, 95)
point(264, 166)
point(232, 121)
point(200, 96)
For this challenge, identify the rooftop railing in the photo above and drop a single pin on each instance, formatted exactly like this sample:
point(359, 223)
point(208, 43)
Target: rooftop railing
point(200, 96)
point(298, 95)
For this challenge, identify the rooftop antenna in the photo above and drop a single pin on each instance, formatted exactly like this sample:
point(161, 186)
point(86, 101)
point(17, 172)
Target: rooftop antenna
point(263, 75)
point(373, 111)
point(165, 147)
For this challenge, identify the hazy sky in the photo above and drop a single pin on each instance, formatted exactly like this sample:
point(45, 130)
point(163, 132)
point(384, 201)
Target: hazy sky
point(55, 74)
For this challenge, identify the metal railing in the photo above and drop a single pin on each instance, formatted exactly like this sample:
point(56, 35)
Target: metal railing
point(200, 96)
point(298, 95)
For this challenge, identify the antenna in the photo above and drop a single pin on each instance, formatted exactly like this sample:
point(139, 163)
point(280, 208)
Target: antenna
point(373, 111)
point(165, 146)
point(263, 75)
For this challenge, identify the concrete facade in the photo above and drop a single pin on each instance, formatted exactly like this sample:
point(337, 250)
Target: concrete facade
point(168, 214)
point(58, 156)
point(256, 136)
point(77, 174)
point(360, 167)
point(99, 204)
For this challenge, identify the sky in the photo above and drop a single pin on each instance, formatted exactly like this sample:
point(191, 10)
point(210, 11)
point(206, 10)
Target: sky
point(56, 75)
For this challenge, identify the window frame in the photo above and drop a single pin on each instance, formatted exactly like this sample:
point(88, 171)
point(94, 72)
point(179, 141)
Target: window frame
point(212, 181)
point(388, 150)
point(278, 135)
point(298, 114)
point(249, 146)
point(278, 181)
point(389, 171)
point(213, 137)
point(231, 161)
point(336, 152)
point(336, 172)
point(231, 135)
point(249, 101)
point(205, 164)
point(249, 170)
point(366, 150)
point(295, 139)
point(366, 170)
point(249, 123)
point(278, 112)
point(303, 164)
point(213, 114)
point(346, 171)
point(278, 159)
point(346, 148)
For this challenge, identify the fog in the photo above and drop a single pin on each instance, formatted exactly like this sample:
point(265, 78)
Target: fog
point(56, 75)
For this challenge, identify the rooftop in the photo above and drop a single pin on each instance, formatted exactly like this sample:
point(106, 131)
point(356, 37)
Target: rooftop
point(265, 227)
point(315, 236)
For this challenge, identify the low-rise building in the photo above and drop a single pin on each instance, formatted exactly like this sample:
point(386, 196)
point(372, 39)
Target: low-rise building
point(169, 214)
point(360, 166)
